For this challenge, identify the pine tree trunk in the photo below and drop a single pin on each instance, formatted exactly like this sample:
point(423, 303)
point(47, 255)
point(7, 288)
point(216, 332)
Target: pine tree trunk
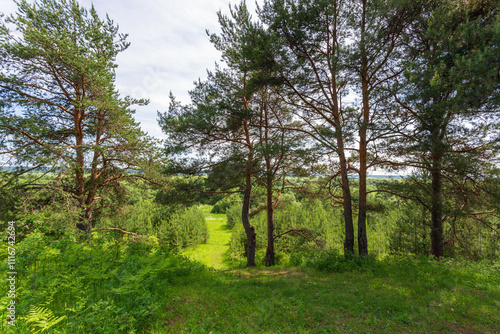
point(270, 224)
point(362, 238)
point(80, 171)
point(436, 205)
point(346, 193)
point(344, 174)
point(436, 210)
point(249, 229)
point(85, 223)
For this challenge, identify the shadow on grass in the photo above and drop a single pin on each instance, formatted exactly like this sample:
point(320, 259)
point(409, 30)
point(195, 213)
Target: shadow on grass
point(289, 300)
point(224, 228)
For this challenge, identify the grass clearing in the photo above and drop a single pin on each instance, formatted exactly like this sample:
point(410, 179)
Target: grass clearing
point(116, 285)
point(212, 252)
point(397, 295)
point(288, 300)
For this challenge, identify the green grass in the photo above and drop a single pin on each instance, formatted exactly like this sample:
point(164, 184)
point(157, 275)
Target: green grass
point(286, 300)
point(121, 286)
point(212, 252)
point(397, 295)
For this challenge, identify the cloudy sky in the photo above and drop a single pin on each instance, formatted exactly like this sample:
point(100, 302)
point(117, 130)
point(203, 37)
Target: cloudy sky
point(169, 48)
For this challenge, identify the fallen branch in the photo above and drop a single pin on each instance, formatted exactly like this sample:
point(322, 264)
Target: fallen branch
point(296, 231)
point(117, 229)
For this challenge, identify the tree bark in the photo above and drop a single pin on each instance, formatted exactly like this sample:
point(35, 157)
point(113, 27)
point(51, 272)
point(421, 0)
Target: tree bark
point(249, 229)
point(362, 238)
point(437, 207)
point(344, 174)
point(80, 171)
point(346, 193)
point(245, 210)
point(270, 223)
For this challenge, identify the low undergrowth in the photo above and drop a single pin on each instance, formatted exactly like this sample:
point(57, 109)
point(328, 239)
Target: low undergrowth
point(115, 284)
point(108, 285)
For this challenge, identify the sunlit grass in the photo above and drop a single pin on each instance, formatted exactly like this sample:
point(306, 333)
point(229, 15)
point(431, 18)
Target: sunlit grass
point(212, 252)
point(287, 300)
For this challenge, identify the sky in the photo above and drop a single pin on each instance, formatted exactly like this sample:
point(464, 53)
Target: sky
point(169, 48)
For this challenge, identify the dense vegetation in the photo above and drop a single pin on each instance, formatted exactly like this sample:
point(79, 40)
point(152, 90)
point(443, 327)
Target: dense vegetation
point(120, 284)
point(105, 230)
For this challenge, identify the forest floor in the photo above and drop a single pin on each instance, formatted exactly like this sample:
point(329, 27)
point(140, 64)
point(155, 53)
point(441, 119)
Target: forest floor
point(399, 295)
point(116, 285)
point(212, 252)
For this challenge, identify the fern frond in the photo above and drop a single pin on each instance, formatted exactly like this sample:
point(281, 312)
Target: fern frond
point(42, 318)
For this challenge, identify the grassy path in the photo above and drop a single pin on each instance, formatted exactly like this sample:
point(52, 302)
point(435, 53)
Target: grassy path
point(397, 295)
point(212, 252)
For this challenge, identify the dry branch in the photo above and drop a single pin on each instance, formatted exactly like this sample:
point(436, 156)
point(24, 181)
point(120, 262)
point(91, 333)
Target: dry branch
point(134, 235)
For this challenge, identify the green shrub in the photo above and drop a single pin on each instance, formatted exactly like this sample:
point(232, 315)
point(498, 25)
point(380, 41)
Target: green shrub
point(51, 221)
point(332, 261)
point(233, 214)
point(140, 217)
point(100, 286)
point(183, 229)
point(317, 227)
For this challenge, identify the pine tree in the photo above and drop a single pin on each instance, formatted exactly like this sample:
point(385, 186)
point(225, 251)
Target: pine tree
point(310, 53)
point(449, 100)
point(60, 110)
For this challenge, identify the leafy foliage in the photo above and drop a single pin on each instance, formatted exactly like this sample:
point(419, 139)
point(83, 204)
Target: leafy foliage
point(109, 285)
point(42, 318)
point(60, 110)
point(233, 214)
point(313, 227)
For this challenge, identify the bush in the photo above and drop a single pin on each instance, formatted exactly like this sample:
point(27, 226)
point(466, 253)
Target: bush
point(233, 214)
point(321, 228)
point(54, 225)
point(141, 217)
point(225, 203)
point(183, 229)
point(332, 261)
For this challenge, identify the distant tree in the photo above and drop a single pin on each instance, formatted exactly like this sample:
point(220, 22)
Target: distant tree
point(449, 102)
point(60, 111)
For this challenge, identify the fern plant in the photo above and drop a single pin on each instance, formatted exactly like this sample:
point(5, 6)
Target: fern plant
point(42, 318)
